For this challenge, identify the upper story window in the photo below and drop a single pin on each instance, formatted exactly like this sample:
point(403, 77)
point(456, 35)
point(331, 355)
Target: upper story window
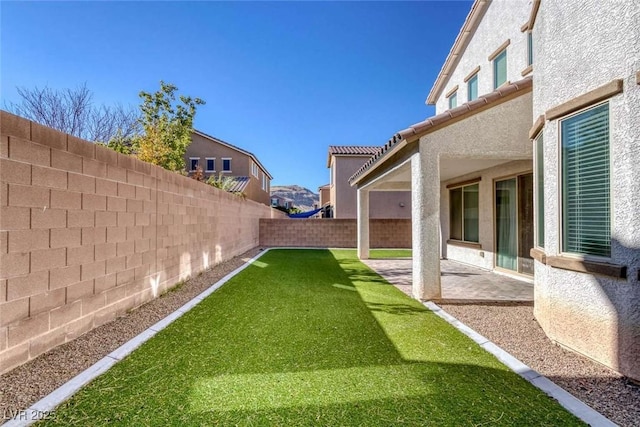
point(586, 192)
point(464, 213)
point(211, 164)
point(529, 48)
point(254, 169)
point(539, 190)
point(472, 88)
point(500, 69)
point(193, 163)
point(226, 164)
point(453, 100)
point(265, 182)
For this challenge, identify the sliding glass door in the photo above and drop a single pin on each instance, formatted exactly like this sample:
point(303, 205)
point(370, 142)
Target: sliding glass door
point(514, 223)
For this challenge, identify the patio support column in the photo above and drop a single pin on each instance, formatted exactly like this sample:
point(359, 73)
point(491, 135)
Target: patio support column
point(425, 220)
point(363, 224)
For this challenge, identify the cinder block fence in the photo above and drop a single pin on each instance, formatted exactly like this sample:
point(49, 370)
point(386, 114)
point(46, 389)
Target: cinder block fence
point(334, 233)
point(87, 234)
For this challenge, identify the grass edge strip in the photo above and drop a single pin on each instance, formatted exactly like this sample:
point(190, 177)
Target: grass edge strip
point(42, 407)
point(568, 401)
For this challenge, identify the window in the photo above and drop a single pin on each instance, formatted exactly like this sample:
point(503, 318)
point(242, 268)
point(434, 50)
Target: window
point(264, 182)
point(453, 100)
point(586, 217)
point(254, 169)
point(539, 190)
point(529, 48)
point(211, 164)
point(472, 88)
point(226, 165)
point(193, 163)
point(463, 213)
point(500, 69)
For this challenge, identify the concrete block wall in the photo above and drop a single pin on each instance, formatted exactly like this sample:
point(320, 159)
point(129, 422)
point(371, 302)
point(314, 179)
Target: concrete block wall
point(333, 233)
point(87, 234)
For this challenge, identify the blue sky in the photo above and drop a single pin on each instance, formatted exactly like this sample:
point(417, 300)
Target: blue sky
point(283, 80)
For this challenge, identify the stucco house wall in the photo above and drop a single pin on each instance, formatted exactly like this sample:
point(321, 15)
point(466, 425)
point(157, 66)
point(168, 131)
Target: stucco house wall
point(240, 165)
point(580, 46)
point(382, 204)
point(501, 22)
point(484, 256)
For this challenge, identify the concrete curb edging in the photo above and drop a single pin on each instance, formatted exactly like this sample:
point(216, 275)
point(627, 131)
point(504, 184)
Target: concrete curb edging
point(566, 399)
point(42, 408)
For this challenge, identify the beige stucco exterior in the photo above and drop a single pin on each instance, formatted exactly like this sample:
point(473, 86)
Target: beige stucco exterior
point(203, 147)
point(390, 204)
point(583, 55)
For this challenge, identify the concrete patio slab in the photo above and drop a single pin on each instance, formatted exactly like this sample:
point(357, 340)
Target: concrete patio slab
point(460, 282)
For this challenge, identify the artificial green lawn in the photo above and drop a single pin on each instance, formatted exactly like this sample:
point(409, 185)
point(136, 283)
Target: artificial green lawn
point(389, 253)
point(310, 337)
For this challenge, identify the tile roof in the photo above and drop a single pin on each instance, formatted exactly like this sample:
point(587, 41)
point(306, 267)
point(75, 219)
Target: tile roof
point(239, 184)
point(435, 122)
point(353, 150)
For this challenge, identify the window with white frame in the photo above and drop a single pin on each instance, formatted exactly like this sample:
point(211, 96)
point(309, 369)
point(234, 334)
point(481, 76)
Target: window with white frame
point(226, 164)
point(211, 164)
point(586, 192)
point(472, 88)
point(265, 182)
point(194, 162)
point(254, 169)
point(500, 69)
point(539, 190)
point(463, 213)
point(453, 100)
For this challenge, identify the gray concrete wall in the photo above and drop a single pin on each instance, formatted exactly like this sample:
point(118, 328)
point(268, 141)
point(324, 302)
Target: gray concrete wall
point(580, 45)
point(502, 21)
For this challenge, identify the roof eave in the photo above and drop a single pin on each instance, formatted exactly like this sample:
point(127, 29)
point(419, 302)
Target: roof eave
point(459, 45)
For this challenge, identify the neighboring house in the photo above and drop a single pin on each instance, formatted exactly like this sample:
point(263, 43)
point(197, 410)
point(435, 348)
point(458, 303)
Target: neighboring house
point(531, 166)
point(325, 201)
point(282, 202)
point(343, 161)
point(219, 158)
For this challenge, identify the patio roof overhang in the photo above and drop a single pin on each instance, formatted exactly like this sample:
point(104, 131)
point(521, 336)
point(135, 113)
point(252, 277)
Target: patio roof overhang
point(390, 169)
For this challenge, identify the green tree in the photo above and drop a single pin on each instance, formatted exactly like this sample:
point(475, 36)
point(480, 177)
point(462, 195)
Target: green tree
point(167, 127)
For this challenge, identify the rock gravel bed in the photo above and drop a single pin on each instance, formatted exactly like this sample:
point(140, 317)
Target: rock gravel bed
point(514, 328)
point(32, 381)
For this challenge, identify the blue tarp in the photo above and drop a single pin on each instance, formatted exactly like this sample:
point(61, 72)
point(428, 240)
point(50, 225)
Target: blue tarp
point(305, 214)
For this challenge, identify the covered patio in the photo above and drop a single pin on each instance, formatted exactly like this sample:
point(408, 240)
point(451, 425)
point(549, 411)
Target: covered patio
point(472, 147)
point(459, 282)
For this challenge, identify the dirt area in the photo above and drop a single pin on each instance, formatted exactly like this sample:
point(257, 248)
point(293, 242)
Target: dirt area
point(514, 328)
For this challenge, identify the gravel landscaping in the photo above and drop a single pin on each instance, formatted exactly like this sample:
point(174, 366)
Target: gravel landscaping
point(514, 328)
point(32, 381)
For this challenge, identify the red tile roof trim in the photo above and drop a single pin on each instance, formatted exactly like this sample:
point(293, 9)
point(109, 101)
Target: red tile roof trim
point(425, 126)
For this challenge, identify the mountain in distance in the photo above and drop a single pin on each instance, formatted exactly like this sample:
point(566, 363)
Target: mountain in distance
point(303, 198)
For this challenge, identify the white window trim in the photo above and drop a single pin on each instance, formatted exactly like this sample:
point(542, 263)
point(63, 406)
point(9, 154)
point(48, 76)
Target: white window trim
point(222, 166)
point(582, 257)
point(463, 230)
point(254, 169)
point(190, 163)
point(206, 164)
point(475, 76)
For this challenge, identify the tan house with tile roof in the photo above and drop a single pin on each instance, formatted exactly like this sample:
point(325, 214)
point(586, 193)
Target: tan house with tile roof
point(218, 157)
point(530, 167)
point(343, 161)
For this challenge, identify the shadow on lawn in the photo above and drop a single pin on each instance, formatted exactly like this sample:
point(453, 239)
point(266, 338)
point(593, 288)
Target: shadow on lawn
point(282, 345)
